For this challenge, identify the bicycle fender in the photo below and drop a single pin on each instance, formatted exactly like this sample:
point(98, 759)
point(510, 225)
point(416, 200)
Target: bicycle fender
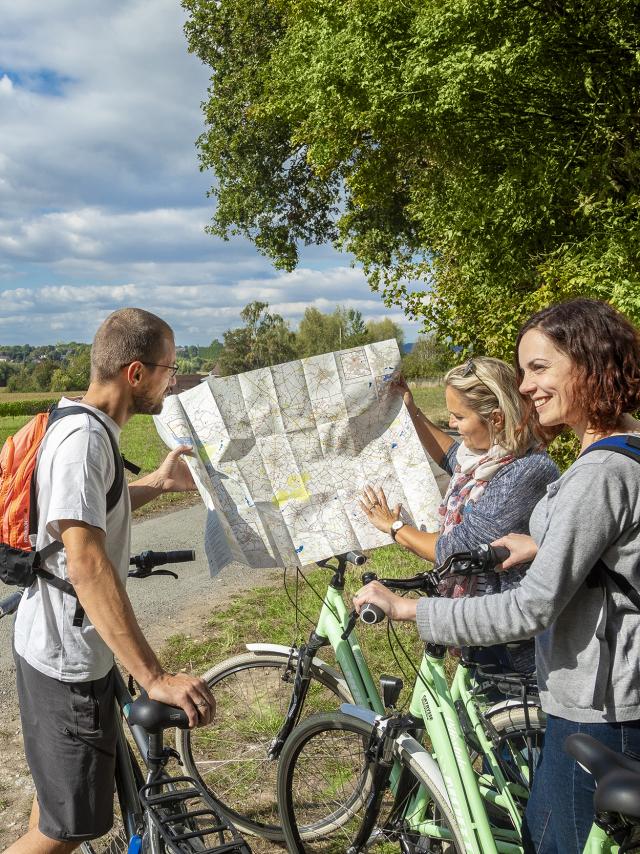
point(408, 745)
point(366, 715)
point(330, 672)
point(510, 704)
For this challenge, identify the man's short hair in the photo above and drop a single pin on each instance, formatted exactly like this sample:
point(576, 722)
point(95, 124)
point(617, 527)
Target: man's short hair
point(127, 335)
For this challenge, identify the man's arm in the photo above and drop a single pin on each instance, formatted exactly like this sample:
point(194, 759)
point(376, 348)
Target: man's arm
point(172, 476)
point(105, 601)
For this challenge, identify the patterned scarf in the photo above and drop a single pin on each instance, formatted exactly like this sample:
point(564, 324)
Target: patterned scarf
point(470, 477)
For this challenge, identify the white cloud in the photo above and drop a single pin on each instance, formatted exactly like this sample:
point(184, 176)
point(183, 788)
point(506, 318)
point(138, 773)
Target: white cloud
point(6, 86)
point(101, 200)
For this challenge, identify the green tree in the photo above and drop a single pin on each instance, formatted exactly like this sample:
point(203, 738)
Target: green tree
point(485, 153)
point(430, 358)
point(264, 340)
point(383, 330)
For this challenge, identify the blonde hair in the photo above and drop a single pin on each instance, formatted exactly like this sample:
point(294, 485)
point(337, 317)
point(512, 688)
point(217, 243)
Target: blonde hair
point(127, 335)
point(487, 384)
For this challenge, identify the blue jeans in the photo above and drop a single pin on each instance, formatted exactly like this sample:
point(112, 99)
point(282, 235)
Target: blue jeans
point(559, 814)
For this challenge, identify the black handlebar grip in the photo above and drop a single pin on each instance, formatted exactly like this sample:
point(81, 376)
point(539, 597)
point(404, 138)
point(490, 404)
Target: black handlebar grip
point(181, 556)
point(356, 558)
point(371, 614)
point(498, 554)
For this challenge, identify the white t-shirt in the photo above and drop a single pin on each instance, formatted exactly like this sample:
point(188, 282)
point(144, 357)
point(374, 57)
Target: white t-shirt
point(75, 471)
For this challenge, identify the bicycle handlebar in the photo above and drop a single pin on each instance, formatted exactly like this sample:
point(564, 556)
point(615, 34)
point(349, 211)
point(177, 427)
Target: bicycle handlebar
point(149, 559)
point(354, 557)
point(481, 559)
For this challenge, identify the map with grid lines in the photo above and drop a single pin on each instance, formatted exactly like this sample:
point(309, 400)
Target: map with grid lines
point(282, 455)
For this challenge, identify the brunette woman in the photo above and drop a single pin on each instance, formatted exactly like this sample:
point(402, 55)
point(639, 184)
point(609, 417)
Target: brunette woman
point(579, 366)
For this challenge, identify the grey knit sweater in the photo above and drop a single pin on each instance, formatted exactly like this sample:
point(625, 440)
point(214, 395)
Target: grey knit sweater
point(588, 637)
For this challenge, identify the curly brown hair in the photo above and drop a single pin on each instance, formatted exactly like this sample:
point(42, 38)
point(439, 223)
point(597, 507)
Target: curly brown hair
point(604, 347)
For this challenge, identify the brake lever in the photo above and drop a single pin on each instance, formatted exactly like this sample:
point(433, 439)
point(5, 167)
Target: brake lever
point(145, 573)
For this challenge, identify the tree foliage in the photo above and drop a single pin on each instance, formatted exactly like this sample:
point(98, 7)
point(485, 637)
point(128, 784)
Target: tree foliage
point(265, 339)
point(480, 158)
point(430, 358)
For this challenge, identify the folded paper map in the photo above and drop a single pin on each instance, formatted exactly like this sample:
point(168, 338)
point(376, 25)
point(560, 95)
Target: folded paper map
point(281, 456)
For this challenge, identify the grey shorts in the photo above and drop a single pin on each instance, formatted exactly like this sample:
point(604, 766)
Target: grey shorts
point(69, 731)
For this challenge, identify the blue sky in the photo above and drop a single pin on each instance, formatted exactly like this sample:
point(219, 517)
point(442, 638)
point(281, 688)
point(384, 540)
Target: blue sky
point(102, 203)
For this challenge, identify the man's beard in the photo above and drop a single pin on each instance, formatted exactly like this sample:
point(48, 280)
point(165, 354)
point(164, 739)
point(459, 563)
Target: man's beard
point(145, 404)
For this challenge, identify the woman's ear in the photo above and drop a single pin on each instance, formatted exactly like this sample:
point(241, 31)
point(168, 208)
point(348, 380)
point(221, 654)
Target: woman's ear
point(497, 419)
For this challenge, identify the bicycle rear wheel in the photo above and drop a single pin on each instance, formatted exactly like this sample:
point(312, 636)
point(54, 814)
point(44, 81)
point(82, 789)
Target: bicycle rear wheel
point(230, 756)
point(522, 736)
point(324, 778)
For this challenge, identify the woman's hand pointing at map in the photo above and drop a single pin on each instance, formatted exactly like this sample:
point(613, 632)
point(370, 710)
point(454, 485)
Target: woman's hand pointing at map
point(374, 504)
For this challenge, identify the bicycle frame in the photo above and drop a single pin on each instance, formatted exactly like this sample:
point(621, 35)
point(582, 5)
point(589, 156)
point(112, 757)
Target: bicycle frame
point(331, 625)
point(468, 792)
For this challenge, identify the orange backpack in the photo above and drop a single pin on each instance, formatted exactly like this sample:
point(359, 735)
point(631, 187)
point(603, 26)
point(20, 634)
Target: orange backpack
point(19, 562)
point(17, 462)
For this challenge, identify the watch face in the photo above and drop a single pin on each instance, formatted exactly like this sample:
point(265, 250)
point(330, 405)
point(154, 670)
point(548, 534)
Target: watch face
point(395, 527)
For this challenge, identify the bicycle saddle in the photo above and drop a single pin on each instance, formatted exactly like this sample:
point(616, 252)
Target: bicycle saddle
point(598, 759)
point(155, 717)
point(619, 792)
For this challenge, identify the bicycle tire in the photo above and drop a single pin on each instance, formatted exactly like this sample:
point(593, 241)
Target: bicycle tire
point(511, 723)
point(229, 757)
point(330, 750)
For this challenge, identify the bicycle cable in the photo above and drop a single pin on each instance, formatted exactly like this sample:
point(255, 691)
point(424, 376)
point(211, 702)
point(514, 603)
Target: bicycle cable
point(416, 670)
point(321, 598)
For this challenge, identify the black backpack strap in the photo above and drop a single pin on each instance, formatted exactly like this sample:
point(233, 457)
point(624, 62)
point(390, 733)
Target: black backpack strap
point(115, 491)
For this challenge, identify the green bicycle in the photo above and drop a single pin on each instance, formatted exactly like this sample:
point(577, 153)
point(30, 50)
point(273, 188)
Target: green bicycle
point(354, 780)
point(261, 695)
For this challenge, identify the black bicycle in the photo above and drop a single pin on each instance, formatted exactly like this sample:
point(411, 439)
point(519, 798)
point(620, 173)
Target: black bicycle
point(155, 812)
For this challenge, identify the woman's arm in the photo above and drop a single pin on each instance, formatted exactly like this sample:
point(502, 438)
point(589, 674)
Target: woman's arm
point(434, 440)
point(573, 542)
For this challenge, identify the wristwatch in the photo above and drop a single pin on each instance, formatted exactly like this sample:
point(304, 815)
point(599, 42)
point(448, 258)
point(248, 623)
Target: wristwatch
point(395, 527)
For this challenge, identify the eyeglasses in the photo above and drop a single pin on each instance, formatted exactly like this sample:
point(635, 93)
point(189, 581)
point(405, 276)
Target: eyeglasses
point(172, 368)
point(469, 368)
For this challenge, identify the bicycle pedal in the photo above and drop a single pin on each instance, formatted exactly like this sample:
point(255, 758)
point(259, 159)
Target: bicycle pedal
point(188, 817)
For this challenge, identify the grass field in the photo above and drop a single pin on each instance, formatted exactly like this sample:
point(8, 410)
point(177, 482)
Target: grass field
point(432, 402)
point(6, 396)
point(267, 614)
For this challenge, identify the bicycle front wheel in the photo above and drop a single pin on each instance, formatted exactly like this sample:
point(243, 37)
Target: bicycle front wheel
point(230, 757)
point(324, 779)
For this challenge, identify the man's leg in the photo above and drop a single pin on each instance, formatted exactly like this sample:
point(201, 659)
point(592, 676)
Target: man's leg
point(34, 841)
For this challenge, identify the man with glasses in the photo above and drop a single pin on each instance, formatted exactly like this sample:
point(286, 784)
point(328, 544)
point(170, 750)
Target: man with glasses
point(64, 663)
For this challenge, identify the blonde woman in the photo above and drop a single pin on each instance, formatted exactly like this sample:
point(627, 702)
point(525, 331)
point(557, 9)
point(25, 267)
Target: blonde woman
point(498, 475)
